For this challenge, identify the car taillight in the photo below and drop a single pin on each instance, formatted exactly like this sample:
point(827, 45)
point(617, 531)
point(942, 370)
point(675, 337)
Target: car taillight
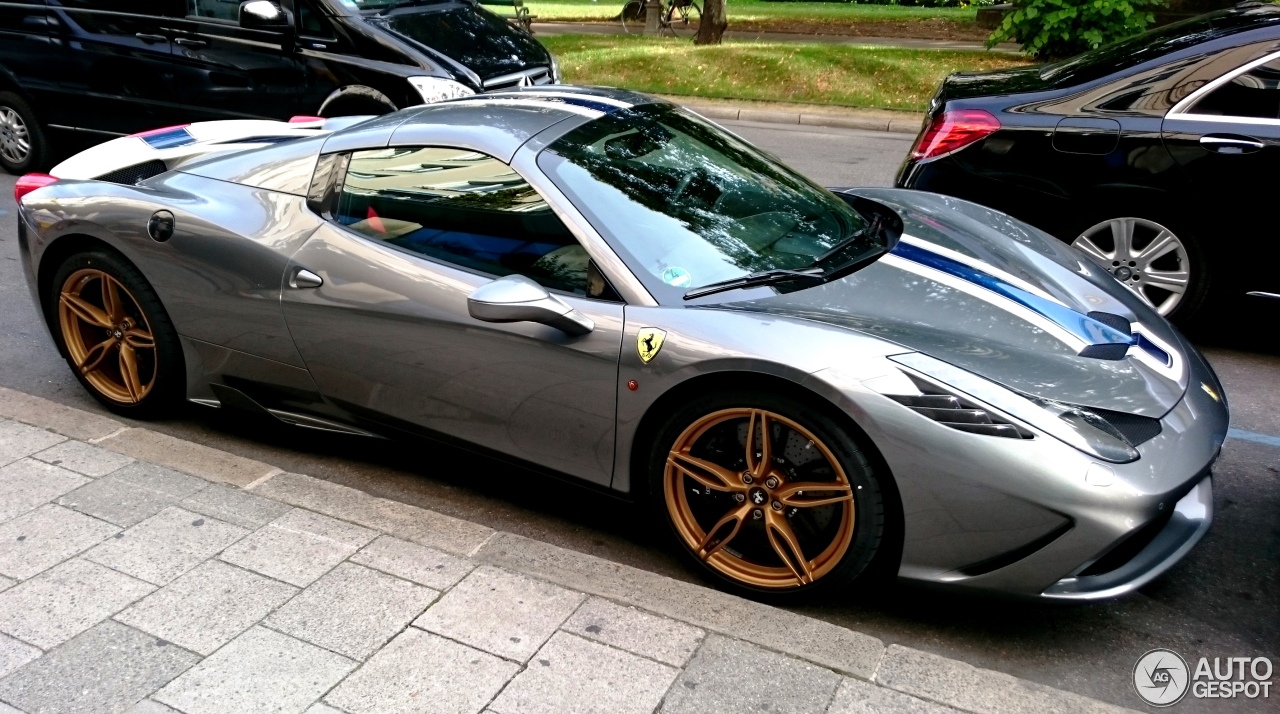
point(29, 183)
point(953, 130)
point(304, 119)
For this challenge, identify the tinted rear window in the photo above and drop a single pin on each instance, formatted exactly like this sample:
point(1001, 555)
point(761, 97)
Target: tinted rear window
point(1136, 50)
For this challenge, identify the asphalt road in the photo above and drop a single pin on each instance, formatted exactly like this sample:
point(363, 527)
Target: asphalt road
point(1222, 601)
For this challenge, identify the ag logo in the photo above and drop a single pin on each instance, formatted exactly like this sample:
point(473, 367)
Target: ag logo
point(1161, 677)
point(648, 342)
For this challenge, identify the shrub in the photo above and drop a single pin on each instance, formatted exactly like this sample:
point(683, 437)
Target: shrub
point(1051, 29)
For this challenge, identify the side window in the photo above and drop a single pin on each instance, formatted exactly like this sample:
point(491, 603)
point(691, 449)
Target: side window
point(216, 9)
point(1254, 95)
point(463, 208)
point(311, 22)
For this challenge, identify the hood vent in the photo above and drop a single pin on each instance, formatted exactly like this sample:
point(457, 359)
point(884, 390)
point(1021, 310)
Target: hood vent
point(134, 175)
point(957, 413)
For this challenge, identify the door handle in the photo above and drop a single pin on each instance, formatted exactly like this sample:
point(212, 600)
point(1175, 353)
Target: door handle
point(193, 44)
point(151, 39)
point(1226, 144)
point(303, 278)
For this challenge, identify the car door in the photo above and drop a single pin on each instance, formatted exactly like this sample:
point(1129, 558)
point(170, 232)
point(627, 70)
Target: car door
point(1227, 138)
point(230, 72)
point(116, 74)
point(386, 332)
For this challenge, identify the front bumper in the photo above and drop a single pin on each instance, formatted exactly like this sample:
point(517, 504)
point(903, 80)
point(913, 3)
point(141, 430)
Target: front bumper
point(1186, 525)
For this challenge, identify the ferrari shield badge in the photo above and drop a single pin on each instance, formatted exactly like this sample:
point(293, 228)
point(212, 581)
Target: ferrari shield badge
point(648, 342)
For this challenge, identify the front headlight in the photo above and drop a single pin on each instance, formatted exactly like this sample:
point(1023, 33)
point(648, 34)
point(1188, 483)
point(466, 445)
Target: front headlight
point(435, 89)
point(556, 76)
point(1086, 429)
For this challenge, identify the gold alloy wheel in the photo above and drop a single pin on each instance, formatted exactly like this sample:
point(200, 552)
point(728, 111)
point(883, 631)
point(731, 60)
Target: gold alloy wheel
point(107, 336)
point(759, 498)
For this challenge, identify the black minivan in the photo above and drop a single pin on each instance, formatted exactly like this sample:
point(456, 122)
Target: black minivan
point(93, 69)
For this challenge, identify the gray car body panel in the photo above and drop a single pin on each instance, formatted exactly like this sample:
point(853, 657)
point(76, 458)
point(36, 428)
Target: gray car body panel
point(385, 344)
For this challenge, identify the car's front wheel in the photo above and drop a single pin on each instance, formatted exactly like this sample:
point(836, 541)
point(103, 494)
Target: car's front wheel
point(768, 493)
point(115, 334)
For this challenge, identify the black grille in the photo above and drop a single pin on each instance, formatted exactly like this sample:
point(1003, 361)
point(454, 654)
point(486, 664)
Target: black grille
point(959, 414)
point(1135, 429)
point(136, 174)
point(1129, 547)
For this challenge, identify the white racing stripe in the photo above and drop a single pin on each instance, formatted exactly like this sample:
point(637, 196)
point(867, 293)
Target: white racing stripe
point(530, 104)
point(996, 300)
point(565, 95)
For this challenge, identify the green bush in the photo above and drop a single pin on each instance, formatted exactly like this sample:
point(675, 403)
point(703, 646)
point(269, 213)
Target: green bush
point(1051, 29)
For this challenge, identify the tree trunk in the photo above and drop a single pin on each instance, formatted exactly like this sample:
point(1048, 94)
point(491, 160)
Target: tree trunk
point(712, 25)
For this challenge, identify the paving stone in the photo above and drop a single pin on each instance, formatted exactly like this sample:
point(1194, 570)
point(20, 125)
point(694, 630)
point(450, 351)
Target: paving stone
point(317, 708)
point(19, 440)
point(28, 484)
point(230, 504)
point(419, 525)
point(259, 671)
point(808, 638)
point(503, 613)
point(729, 675)
point(6, 709)
point(65, 601)
point(189, 457)
point(68, 421)
point(966, 687)
point(132, 494)
point(208, 606)
point(14, 654)
point(40, 539)
point(166, 545)
point(630, 629)
point(298, 547)
point(6, 583)
point(106, 669)
point(857, 697)
point(422, 673)
point(570, 674)
point(422, 565)
point(352, 610)
point(83, 458)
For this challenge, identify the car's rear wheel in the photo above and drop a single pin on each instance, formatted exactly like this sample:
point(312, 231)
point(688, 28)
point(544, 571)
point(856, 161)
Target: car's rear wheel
point(1157, 260)
point(115, 334)
point(22, 140)
point(768, 493)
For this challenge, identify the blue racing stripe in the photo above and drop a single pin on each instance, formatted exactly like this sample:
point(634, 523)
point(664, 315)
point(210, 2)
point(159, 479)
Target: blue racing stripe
point(168, 139)
point(1087, 329)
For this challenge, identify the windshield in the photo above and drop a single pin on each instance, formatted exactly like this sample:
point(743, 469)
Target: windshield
point(478, 39)
point(687, 204)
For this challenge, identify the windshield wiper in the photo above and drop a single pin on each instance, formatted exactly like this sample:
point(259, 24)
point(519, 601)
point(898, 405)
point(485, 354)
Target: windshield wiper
point(751, 280)
point(872, 228)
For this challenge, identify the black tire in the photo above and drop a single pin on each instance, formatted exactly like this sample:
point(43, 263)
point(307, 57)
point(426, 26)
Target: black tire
point(37, 150)
point(633, 17)
point(168, 387)
point(356, 101)
point(819, 419)
point(1191, 306)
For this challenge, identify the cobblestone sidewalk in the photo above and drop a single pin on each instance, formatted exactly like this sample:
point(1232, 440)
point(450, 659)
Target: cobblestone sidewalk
point(140, 573)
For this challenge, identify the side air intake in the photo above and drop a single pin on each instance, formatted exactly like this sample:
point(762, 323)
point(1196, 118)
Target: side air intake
point(956, 412)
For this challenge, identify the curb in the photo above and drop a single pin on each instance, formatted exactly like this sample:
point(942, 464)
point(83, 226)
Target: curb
point(894, 672)
point(868, 121)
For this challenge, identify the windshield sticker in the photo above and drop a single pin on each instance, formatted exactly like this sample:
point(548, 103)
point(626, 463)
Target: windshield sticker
point(677, 277)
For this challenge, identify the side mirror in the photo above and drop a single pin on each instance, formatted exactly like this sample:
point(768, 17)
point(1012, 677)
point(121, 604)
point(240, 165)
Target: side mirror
point(516, 298)
point(263, 15)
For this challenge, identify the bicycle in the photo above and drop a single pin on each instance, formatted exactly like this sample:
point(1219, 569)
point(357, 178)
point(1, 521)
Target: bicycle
point(678, 18)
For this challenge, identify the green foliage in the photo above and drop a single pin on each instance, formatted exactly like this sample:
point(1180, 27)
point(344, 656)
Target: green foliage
point(1051, 29)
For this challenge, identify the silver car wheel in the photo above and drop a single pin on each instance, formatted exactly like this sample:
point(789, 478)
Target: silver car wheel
point(1144, 256)
point(15, 141)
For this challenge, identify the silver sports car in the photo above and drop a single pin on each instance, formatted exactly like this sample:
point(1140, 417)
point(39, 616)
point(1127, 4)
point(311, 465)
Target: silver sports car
point(808, 386)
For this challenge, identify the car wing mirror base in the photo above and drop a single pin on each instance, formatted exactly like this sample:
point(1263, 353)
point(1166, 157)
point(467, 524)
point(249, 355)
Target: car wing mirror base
point(516, 298)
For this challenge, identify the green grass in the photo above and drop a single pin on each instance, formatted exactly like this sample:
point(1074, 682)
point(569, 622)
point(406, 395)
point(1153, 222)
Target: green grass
point(754, 11)
point(883, 78)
